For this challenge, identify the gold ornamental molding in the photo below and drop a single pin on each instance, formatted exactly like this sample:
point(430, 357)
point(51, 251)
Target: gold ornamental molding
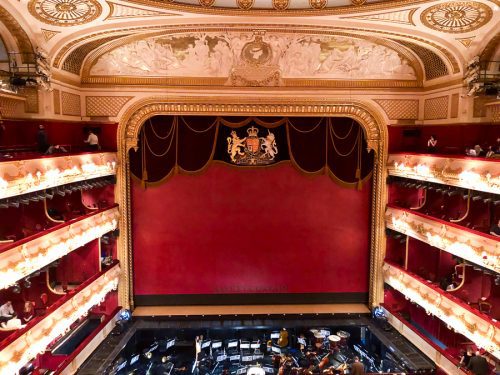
point(481, 331)
point(22, 39)
point(58, 322)
point(363, 112)
point(472, 246)
point(456, 16)
point(29, 175)
point(358, 6)
point(22, 260)
point(468, 173)
point(65, 12)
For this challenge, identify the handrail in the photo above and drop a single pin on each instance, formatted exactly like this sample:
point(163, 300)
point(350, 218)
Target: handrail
point(37, 337)
point(33, 322)
point(466, 211)
point(24, 240)
point(26, 256)
point(410, 326)
point(71, 357)
point(457, 301)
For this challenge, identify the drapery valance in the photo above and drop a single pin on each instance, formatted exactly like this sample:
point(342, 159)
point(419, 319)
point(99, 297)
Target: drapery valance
point(189, 144)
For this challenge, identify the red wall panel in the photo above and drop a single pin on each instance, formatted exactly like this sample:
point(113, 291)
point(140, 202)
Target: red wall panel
point(262, 230)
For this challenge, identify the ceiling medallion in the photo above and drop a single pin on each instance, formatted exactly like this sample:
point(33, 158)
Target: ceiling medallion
point(318, 4)
point(245, 4)
point(65, 12)
point(456, 16)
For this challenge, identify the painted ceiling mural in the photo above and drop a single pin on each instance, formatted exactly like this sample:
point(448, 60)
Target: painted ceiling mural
point(221, 54)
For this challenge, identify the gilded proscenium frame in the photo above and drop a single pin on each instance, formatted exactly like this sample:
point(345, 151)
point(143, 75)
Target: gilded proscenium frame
point(364, 112)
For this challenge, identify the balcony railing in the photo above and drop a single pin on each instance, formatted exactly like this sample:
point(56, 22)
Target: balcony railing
point(26, 176)
point(476, 247)
point(39, 334)
point(474, 325)
point(470, 173)
point(429, 348)
point(30, 254)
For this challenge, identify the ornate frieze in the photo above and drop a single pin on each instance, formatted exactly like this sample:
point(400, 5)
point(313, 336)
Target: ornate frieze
point(481, 250)
point(468, 173)
point(20, 261)
point(26, 176)
point(216, 54)
point(57, 323)
point(484, 333)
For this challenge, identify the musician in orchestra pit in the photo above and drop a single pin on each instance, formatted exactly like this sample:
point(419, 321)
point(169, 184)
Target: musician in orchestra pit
point(357, 367)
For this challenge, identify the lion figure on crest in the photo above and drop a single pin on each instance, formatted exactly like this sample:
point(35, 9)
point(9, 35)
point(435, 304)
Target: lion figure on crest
point(269, 145)
point(234, 145)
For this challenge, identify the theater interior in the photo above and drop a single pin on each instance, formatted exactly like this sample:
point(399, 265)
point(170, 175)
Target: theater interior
point(249, 187)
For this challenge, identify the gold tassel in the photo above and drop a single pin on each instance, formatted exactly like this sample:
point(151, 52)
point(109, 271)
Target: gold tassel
point(144, 168)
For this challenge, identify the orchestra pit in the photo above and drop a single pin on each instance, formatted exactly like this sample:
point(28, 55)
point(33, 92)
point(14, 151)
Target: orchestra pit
point(249, 187)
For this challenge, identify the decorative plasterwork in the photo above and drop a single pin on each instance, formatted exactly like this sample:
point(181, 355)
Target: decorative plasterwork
point(119, 11)
point(222, 54)
point(56, 96)
point(436, 108)
point(481, 250)
point(454, 106)
point(483, 333)
point(364, 113)
point(22, 39)
point(468, 173)
point(105, 105)
point(26, 176)
point(70, 104)
point(466, 41)
point(57, 323)
point(65, 12)
point(399, 109)
point(49, 34)
point(20, 261)
point(11, 105)
point(456, 16)
point(433, 64)
point(402, 17)
point(295, 8)
point(493, 111)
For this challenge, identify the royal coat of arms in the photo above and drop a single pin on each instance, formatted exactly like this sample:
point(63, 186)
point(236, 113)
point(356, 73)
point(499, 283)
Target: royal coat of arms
point(252, 150)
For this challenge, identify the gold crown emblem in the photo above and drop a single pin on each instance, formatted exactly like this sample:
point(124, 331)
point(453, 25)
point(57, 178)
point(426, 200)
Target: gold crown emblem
point(253, 131)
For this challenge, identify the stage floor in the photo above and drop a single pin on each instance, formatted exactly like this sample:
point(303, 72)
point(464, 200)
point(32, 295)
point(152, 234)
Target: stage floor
point(214, 310)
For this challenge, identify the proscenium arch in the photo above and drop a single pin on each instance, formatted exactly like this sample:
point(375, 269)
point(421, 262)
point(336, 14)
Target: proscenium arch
point(370, 119)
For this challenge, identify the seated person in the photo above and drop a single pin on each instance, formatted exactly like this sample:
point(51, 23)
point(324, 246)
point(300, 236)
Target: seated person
point(7, 312)
point(28, 311)
point(57, 149)
point(495, 229)
point(490, 153)
point(432, 144)
point(12, 324)
point(479, 150)
point(470, 152)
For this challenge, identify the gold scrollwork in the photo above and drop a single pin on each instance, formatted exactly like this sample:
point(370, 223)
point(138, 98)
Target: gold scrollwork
point(368, 117)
